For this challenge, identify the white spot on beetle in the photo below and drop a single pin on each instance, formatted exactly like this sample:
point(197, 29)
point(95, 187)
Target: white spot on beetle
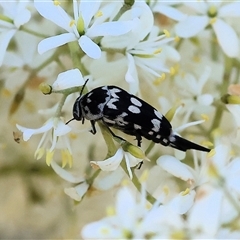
point(136, 126)
point(110, 103)
point(156, 125)
point(134, 109)
point(113, 92)
point(106, 120)
point(120, 121)
point(150, 132)
point(135, 101)
point(158, 114)
point(158, 136)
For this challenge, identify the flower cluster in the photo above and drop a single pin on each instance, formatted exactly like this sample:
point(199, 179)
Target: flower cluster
point(181, 57)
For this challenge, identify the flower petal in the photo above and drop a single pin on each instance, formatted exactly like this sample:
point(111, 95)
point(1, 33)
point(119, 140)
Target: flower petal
point(55, 41)
point(182, 202)
point(131, 75)
point(88, 10)
point(227, 38)
point(205, 99)
point(5, 38)
point(230, 10)
point(68, 79)
point(191, 26)
point(125, 207)
point(205, 213)
point(112, 163)
point(109, 29)
point(66, 175)
point(53, 13)
point(22, 17)
point(61, 128)
point(77, 192)
point(175, 167)
point(169, 11)
point(90, 47)
point(28, 132)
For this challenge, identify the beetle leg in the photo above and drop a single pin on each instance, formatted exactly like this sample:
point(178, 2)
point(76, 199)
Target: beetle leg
point(93, 130)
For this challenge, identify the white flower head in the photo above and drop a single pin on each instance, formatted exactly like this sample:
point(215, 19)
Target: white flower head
point(54, 130)
point(142, 47)
point(112, 163)
point(86, 25)
point(212, 13)
point(14, 15)
point(134, 219)
point(68, 79)
point(76, 192)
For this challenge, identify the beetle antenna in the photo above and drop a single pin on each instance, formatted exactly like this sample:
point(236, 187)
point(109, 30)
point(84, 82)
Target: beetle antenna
point(69, 121)
point(84, 85)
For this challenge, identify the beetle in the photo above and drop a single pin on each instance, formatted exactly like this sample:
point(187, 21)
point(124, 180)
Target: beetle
point(116, 108)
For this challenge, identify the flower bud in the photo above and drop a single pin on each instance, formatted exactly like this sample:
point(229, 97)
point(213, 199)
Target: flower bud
point(171, 112)
point(230, 99)
point(45, 88)
point(133, 150)
point(80, 25)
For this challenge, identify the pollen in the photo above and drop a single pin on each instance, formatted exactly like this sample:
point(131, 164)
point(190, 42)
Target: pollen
point(213, 20)
point(49, 157)
point(73, 135)
point(72, 22)
point(105, 231)
point(160, 79)
point(211, 153)
point(207, 143)
point(166, 32)
point(172, 71)
point(212, 170)
point(111, 211)
point(6, 92)
point(205, 117)
point(144, 176)
point(157, 51)
point(99, 14)
point(177, 39)
point(66, 158)
point(56, 3)
point(39, 153)
point(166, 190)
point(125, 182)
point(186, 192)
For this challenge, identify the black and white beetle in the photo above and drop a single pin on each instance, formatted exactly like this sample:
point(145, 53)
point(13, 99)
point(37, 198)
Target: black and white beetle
point(118, 109)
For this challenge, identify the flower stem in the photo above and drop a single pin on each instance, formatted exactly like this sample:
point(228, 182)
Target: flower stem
point(32, 32)
point(136, 183)
point(150, 147)
point(60, 105)
point(108, 139)
point(76, 55)
point(126, 6)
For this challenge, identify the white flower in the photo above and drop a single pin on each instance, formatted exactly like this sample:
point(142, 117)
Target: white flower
point(212, 13)
point(76, 192)
point(84, 28)
point(204, 216)
point(68, 79)
point(142, 47)
point(55, 131)
point(194, 98)
point(14, 14)
point(112, 163)
point(132, 219)
point(19, 61)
